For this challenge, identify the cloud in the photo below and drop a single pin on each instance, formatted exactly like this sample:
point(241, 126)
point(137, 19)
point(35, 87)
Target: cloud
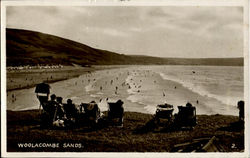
point(112, 32)
point(168, 31)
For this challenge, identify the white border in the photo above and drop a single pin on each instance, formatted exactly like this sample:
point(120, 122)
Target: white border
point(243, 3)
point(3, 82)
point(246, 73)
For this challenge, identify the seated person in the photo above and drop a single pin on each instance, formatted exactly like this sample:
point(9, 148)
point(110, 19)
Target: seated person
point(49, 110)
point(188, 105)
point(59, 113)
point(70, 109)
point(51, 105)
point(91, 108)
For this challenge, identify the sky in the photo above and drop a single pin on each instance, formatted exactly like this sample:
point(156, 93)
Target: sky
point(162, 31)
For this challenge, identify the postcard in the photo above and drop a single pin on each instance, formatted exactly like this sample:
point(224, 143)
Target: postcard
point(124, 78)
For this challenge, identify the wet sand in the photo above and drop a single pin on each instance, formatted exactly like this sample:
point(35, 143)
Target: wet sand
point(140, 89)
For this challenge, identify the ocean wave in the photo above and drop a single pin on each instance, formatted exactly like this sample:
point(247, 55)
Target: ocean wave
point(94, 95)
point(132, 89)
point(150, 109)
point(136, 99)
point(99, 93)
point(89, 87)
point(201, 91)
point(74, 98)
point(132, 98)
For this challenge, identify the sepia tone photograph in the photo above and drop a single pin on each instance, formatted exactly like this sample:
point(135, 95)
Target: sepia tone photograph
point(126, 79)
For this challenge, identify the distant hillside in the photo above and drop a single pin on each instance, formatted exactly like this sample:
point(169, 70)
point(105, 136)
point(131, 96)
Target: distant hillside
point(190, 61)
point(32, 48)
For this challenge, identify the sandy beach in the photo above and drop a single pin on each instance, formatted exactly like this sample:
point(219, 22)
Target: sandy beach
point(28, 78)
point(140, 88)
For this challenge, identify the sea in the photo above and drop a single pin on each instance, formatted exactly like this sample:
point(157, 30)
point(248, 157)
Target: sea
point(211, 89)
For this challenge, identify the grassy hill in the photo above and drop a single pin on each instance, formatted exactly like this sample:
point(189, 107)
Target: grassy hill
point(23, 127)
point(31, 48)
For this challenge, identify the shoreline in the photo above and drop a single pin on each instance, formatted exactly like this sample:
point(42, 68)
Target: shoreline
point(32, 86)
point(130, 84)
point(73, 72)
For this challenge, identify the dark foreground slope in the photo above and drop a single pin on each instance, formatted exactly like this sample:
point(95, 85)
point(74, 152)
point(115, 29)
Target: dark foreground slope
point(32, 48)
point(23, 127)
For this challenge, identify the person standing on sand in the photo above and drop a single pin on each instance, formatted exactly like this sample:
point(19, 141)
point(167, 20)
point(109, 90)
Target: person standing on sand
point(241, 110)
point(13, 97)
point(163, 94)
